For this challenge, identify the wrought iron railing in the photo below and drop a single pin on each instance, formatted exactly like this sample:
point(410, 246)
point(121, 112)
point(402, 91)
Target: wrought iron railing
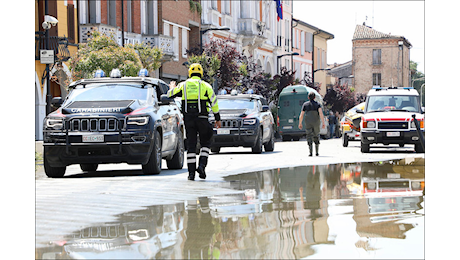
point(56, 43)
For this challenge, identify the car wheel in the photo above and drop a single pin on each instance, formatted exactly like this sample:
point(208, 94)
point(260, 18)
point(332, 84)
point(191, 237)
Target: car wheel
point(257, 148)
point(364, 147)
point(88, 167)
point(296, 138)
point(345, 140)
point(177, 161)
point(286, 138)
point(53, 172)
point(215, 149)
point(270, 145)
point(153, 166)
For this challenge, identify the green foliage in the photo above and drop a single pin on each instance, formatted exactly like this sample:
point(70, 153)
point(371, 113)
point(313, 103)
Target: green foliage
point(195, 6)
point(102, 52)
point(150, 57)
point(210, 64)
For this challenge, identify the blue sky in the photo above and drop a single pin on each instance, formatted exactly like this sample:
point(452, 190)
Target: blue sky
point(404, 18)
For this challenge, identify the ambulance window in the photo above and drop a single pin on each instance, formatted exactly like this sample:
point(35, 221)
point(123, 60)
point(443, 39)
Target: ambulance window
point(286, 103)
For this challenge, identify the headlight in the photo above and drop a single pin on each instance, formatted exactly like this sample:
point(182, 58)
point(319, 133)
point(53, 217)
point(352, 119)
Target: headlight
point(421, 123)
point(369, 124)
point(55, 123)
point(249, 121)
point(138, 120)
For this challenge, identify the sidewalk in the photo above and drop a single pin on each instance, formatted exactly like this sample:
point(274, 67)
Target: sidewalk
point(39, 147)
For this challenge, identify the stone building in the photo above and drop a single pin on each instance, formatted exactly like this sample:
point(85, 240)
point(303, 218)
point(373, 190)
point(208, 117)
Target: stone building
point(379, 59)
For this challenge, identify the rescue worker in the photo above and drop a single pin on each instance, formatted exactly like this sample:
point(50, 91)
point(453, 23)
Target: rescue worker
point(313, 113)
point(197, 98)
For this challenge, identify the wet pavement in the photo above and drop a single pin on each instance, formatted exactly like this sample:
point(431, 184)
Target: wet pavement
point(336, 211)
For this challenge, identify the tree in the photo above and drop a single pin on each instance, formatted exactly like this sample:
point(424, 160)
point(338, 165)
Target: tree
point(228, 75)
point(210, 64)
point(149, 57)
point(284, 79)
point(418, 80)
point(307, 80)
point(339, 98)
point(102, 52)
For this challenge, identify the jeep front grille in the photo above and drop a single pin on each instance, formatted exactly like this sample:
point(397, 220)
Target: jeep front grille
point(394, 125)
point(94, 124)
point(232, 123)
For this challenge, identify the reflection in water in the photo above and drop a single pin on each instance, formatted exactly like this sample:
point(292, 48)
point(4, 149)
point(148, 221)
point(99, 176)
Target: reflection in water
point(280, 213)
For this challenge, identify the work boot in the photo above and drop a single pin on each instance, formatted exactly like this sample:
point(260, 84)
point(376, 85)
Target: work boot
point(203, 161)
point(317, 148)
point(201, 171)
point(191, 165)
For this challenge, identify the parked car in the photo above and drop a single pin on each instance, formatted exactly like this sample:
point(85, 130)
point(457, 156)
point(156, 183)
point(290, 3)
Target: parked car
point(389, 118)
point(349, 125)
point(114, 120)
point(246, 121)
point(290, 104)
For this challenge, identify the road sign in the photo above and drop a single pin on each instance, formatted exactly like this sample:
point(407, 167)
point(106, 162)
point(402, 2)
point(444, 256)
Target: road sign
point(47, 56)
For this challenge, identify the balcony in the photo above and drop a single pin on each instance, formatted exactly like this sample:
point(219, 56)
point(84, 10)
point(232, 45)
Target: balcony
point(253, 31)
point(165, 43)
point(56, 43)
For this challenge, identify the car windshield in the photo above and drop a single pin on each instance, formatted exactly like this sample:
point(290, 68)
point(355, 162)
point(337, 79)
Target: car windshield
point(397, 103)
point(104, 92)
point(225, 103)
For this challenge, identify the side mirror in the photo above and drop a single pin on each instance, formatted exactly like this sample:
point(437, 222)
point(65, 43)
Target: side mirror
point(359, 111)
point(165, 100)
point(423, 110)
point(265, 108)
point(56, 101)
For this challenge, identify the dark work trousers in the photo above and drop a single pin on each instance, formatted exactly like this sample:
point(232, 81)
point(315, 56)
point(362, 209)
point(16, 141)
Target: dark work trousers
point(195, 125)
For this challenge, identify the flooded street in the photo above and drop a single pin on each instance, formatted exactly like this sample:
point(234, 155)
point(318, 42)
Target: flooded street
point(336, 211)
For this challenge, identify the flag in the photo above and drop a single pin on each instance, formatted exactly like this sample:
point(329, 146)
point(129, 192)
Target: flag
point(279, 9)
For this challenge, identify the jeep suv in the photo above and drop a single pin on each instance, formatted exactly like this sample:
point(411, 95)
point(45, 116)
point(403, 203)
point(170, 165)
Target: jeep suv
point(388, 118)
point(114, 120)
point(246, 121)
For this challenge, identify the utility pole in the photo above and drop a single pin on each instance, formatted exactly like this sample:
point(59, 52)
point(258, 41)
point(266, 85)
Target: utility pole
point(48, 88)
point(122, 24)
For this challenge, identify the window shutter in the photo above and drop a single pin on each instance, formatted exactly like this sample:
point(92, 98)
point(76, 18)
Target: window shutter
point(71, 23)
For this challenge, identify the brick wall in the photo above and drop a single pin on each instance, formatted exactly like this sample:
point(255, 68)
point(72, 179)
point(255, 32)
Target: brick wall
point(178, 12)
point(393, 69)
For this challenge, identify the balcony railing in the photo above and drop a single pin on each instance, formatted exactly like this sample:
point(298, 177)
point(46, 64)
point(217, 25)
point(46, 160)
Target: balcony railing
point(56, 43)
point(163, 42)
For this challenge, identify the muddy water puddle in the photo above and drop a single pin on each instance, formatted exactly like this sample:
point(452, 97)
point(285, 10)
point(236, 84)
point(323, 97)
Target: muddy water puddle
point(358, 210)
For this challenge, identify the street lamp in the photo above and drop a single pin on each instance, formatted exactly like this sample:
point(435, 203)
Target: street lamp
point(209, 29)
point(280, 56)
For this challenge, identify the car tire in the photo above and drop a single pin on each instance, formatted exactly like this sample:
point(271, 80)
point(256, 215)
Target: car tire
point(88, 167)
point(153, 166)
point(345, 140)
point(364, 147)
point(215, 149)
point(418, 148)
point(257, 148)
point(53, 172)
point(270, 145)
point(177, 161)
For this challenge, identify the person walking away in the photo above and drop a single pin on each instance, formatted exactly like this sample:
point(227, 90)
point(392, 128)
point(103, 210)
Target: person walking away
point(197, 99)
point(332, 121)
point(313, 114)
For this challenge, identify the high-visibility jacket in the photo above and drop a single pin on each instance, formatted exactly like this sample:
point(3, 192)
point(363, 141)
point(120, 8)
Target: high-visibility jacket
point(197, 97)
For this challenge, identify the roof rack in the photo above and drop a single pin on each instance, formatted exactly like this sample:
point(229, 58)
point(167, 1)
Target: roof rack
point(378, 88)
point(84, 82)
